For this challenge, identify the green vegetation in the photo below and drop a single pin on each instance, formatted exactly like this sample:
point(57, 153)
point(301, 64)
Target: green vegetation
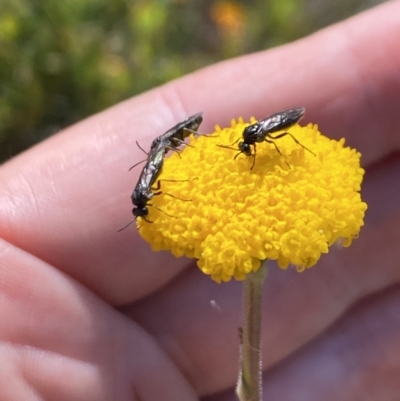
point(61, 61)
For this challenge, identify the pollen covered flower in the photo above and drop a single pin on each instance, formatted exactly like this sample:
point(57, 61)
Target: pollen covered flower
point(290, 207)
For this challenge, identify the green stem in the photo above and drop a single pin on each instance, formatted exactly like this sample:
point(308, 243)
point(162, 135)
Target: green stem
point(249, 385)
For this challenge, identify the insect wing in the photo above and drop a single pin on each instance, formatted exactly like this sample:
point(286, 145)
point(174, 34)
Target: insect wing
point(142, 187)
point(194, 122)
point(156, 157)
point(282, 120)
point(154, 165)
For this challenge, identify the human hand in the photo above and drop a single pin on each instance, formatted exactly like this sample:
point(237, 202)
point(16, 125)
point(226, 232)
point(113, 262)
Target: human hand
point(89, 314)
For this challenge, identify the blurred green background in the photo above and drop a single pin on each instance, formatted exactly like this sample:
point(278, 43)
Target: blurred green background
point(61, 61)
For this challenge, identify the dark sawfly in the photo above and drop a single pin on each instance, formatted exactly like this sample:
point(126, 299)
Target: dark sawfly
point(170, 140)
point(143, 191)
point(261, 132)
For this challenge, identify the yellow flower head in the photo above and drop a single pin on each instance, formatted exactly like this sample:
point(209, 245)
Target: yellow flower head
point(230, 217)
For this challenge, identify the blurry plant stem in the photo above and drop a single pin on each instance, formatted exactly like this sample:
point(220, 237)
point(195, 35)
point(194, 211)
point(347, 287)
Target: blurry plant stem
point(249, 385)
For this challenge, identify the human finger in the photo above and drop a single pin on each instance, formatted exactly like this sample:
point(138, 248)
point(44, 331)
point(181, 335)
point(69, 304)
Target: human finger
point(59, 341)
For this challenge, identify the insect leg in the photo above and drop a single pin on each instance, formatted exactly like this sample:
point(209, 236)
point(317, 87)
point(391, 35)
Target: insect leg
point(198, 133)
point(254, 157)
point(157, 188)
point(169, 215)
point(175, 197)
point(288, 133)
point(159, 192)
point(173, 149)
point(179, 142)
point(237, 154)
point(276, 146)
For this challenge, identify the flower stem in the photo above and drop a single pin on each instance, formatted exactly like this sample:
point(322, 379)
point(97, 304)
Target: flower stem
point(249, 385)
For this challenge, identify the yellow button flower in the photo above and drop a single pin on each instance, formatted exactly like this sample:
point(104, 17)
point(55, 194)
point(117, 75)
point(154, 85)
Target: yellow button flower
point(229, 216)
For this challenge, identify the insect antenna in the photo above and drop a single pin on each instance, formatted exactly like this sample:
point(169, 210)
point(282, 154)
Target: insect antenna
point(142, 161)
point(237, 140)
point(138, 145)
point(227, 147)
point(123, 228)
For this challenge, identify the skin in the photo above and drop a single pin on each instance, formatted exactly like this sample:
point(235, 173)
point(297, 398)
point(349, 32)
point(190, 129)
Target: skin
point(89, 314)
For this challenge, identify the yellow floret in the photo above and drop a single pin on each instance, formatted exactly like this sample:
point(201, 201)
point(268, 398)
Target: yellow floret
point(230, 217)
